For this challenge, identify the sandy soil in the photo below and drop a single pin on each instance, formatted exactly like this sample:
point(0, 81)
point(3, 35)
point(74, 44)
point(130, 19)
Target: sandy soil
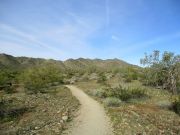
point(92, 119)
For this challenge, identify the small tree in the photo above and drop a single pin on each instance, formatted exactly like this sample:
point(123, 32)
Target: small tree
point(37, 78)
point(164, 71)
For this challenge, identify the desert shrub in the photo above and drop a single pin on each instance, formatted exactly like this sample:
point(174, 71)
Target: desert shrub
point(70, 72)
point(132, 93)
point(162, 70)
point(9, 89)
point(113, 92)
point(176, 104)
point(112, 101)
point(116, 71)
point(8, 112)
point(3, 77)
point(2, 103)
point(12, 113)
point(178, 87)
point(124, 93)
point(99, 93)
point(102, 78)
point(7, 78)
point(39, 78)
point(137, 92)
point(128, 79)
point(130, 74)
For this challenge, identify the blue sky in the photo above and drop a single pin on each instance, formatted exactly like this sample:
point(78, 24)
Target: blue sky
point(62, 29)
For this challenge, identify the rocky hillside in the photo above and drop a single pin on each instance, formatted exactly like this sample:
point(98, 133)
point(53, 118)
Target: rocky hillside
point(8, 61)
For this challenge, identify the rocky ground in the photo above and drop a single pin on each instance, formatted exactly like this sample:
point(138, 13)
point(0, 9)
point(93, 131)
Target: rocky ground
point(41, 114)
point(144, 120)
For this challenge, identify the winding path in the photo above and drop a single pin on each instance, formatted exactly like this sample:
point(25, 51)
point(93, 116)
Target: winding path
point(92, 119)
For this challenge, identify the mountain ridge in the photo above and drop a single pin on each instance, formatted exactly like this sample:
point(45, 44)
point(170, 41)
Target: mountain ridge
point(9, 61)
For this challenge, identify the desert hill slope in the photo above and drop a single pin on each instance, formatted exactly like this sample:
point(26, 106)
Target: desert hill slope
point(8, 61)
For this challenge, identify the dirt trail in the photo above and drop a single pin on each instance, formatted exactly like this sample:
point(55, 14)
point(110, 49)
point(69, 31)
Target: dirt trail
point(92, 119)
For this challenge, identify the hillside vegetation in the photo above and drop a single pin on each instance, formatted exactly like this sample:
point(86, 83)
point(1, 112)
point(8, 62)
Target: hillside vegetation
point(9, 61)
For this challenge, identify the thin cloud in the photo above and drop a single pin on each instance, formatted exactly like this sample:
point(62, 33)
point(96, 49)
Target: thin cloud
point(78, 19)
point(9, 46)
point(25, 36)
point(22, 50)
point(154, 41)
point(74, 35)
point(128, 49)
point(69, 39)
point(115, 38)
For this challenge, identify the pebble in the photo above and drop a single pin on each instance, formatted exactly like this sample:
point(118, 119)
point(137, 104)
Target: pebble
point(64, 118)
point(61, 121)
point(36, 128)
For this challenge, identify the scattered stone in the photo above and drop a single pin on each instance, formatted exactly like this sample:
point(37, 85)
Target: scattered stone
point(44, 112)
point(58, 111)
point(36, 128)
point(65, 118)
point(61, 121)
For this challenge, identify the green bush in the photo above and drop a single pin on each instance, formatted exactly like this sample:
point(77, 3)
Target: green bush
point(137, 92)
point(131, 74)
point(102, 78)
point(9, 89)
point(124, 93)
point(37, 79)
point(7, 78)
point(3, 77)
point(9, 112)
point(176, 104)
point(161, 70)
point(112, 101)
point(178, 87)
point(128, 79)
